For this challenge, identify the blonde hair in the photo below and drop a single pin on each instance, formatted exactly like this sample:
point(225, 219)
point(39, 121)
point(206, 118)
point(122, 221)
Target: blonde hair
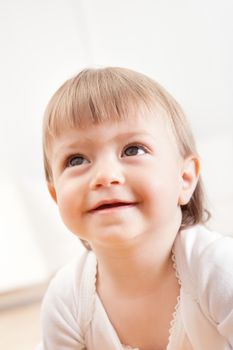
point(112, 93)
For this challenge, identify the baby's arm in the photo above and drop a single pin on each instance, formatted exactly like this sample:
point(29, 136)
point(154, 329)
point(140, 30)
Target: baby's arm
point(60, 328)
point(216, 285)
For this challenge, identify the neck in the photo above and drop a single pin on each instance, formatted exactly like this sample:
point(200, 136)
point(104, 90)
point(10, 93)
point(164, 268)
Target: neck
point(136, 268)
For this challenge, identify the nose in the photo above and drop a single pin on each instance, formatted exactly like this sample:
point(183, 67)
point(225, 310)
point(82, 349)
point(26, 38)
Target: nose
point(106, 175)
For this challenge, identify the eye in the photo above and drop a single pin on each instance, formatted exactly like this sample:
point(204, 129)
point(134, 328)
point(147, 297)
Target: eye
point(76, 160)
point(134, 150)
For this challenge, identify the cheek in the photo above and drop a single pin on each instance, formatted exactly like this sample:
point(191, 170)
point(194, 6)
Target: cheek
point(69, 203)
point(159, 191)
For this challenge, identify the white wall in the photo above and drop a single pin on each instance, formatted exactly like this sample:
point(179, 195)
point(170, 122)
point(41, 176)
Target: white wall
point(186, 45)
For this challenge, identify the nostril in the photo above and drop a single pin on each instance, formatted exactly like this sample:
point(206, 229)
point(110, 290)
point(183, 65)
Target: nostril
point(106, 179)
point(105, 182)
point(115, 182)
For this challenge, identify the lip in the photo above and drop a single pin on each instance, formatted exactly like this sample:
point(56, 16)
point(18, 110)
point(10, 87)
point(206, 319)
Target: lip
point(111, 205)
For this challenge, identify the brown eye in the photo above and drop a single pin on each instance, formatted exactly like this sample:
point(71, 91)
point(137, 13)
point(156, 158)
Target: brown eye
point(134, 150)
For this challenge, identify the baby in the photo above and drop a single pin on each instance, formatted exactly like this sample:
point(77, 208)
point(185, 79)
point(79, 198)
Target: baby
point(122, 166)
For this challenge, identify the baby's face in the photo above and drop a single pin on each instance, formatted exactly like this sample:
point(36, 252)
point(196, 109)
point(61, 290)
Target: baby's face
point(116, 181)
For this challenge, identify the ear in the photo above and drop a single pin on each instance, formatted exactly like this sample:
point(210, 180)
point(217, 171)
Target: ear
point(190, 175)
point(52, 191)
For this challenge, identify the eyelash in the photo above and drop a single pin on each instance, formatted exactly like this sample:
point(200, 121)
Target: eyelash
point(68, 165)
point(136, 145)
point(139, 146)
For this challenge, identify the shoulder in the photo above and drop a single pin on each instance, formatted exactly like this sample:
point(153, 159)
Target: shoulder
point(64, 279)
point(205, 265)
point(68, 280)
point(65, 307)
point(67, 289)
point(200, 247)
point(192, 242)
point(201, 253)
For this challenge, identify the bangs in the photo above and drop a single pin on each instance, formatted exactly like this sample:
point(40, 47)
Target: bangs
point(97, 96)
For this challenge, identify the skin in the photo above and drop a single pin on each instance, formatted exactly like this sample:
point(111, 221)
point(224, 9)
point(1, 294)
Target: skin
point(135, 166)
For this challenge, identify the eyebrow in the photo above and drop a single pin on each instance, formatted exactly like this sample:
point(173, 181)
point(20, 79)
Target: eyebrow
point(67, 148)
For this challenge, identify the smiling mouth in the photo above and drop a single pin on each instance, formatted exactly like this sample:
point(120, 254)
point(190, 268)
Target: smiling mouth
point(109, 206)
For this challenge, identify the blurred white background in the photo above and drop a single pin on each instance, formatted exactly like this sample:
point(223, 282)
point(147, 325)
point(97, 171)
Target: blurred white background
point(187, 45)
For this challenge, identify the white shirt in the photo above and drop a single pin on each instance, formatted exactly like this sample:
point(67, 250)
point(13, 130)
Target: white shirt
point(73, 317)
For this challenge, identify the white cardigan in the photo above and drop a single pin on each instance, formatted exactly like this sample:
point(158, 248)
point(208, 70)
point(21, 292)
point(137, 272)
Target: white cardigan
point(73, 317)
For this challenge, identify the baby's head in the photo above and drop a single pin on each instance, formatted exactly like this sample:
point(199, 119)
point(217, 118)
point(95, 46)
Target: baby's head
point(98, 96)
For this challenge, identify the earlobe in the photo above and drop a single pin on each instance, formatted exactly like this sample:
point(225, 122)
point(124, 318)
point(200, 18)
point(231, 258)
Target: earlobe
point(190, 175)
point(52, 191)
